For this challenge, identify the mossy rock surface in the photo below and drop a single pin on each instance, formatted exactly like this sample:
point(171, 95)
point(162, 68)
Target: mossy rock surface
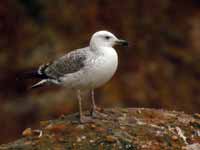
point(119, 128)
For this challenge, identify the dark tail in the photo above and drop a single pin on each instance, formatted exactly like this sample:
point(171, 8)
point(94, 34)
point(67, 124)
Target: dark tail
point(35, 74)
point(31, 75)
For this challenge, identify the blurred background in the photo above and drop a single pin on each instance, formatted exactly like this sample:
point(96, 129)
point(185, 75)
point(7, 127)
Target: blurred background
point(160, 68)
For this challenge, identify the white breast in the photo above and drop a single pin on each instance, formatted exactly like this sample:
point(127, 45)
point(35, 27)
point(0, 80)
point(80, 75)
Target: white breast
point(103, 67)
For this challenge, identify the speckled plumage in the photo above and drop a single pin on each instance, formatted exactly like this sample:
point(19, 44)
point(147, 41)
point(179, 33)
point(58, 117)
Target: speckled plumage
point(84, 69)
point(69, 63)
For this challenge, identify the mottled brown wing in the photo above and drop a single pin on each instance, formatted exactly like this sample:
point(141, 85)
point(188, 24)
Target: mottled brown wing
point(70, 63)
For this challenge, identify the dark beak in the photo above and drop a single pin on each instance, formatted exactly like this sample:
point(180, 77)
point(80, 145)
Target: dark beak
point(121, 42)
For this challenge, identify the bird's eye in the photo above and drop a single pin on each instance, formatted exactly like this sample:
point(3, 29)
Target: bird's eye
point(107, 37)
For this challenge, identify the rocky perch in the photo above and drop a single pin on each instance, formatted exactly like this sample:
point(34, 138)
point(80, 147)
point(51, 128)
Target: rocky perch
point(119, 128)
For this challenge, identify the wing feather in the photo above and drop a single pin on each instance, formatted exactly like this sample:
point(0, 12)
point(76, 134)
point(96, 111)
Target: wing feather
point(69, 63)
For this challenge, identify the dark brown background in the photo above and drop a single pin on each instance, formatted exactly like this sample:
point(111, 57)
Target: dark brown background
point(160, 68)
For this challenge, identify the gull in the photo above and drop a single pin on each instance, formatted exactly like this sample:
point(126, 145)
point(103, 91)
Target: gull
point(83, 69)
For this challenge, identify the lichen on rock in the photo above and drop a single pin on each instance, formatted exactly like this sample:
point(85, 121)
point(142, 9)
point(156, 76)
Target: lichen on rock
point(126, 129)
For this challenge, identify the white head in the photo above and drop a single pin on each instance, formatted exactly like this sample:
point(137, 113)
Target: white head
point(105, 39)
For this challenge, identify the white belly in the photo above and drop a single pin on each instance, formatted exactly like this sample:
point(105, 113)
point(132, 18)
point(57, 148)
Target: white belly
point(98, 71)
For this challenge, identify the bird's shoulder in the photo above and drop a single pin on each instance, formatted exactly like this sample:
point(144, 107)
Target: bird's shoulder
point(74, 56)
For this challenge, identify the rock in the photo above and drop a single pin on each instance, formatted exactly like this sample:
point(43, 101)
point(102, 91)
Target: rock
point(93, 126)
point(44, 123)
point(150, 129)
point(195, 146)
point(196, 115)
point(91, 141)
point(56, 127)
point(78, 139)
point(27, 132)
point(83, 137)
point(174, 137)
point(111, 138)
